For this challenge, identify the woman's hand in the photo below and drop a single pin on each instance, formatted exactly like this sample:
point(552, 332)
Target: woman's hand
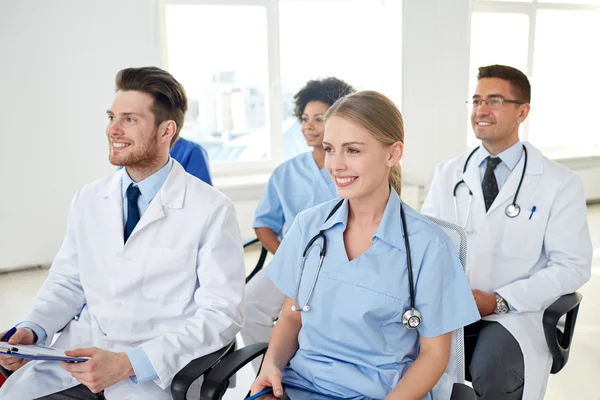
point(270, 376)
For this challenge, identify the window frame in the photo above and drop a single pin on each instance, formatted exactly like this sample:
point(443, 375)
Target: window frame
point(274, 101)
point(530, 9)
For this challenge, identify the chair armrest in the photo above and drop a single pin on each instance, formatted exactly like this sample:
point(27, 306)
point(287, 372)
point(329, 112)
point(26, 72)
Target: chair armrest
point(462, 392)
point(259, 264)
point(215, 382)
point(559, 343)
point(250, 242)
point(195, 369)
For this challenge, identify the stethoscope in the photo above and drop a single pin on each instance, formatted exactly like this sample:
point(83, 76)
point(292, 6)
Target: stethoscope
point(411, 318)
point(512, 210)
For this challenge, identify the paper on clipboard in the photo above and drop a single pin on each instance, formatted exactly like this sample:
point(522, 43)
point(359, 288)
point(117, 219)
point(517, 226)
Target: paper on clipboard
point(35, 352)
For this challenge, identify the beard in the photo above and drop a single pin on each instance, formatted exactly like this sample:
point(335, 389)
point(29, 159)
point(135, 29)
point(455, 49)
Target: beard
point(139, 155)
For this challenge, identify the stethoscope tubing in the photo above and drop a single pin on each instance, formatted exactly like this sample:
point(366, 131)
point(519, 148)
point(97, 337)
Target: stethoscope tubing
point(461, 182)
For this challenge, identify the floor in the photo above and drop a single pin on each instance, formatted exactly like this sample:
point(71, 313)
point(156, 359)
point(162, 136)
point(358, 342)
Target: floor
point(579, 380)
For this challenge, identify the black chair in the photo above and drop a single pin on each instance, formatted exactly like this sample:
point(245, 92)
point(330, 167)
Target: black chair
point(197, 368)
point(5, 373)
point(215, 382)
point(191, 372)
point(261, 259)
point(559, 342)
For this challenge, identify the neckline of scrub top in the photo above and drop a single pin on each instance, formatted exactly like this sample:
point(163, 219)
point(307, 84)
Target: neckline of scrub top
point(390, 227)
point(510, 157)
point(322, 173)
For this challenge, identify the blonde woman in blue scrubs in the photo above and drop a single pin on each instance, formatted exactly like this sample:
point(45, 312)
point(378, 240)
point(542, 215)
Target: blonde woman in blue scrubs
point(351, 343)
point(297, 184)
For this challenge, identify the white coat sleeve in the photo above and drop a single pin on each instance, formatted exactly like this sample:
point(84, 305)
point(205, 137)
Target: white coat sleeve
point(219, 299)
point(61, 297)
point(568, 247)
point(431, 205)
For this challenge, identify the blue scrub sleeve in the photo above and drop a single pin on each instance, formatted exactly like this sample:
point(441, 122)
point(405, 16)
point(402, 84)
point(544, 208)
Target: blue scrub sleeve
point(443, 295)
point(269, 213)
point(285, 266)
point(197, 164)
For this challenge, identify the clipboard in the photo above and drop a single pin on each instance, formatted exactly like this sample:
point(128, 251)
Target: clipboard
point(38, 353)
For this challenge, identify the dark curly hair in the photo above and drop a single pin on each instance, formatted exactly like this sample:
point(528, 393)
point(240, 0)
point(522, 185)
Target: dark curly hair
point(327, 90)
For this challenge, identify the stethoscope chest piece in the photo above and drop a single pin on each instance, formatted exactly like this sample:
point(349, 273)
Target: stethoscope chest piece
point(411, 319)
point(512, 210)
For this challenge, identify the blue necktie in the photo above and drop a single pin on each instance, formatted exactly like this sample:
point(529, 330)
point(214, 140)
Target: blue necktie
point(133, 214)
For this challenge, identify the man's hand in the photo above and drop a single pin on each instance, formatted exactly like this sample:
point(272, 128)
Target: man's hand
point(486, 303)
point(102, 370)
point(21, 336)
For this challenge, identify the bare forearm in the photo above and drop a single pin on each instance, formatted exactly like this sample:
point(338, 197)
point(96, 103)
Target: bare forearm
point(284, 337)
point(268, 239)
point(421, 377)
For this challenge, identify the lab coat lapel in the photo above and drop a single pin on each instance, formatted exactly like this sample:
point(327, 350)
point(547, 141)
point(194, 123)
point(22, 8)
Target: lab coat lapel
point(171, 195)
point(473, 180)
point(507, 193)
point(110, 214)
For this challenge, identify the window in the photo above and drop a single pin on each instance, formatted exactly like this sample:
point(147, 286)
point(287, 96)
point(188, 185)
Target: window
point(228, 54)
point(356, 41)
point(553, 42)
point(219, 54)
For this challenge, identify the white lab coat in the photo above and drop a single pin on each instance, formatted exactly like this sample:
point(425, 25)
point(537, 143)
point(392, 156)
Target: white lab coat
point(529, 261)
point(175, 288)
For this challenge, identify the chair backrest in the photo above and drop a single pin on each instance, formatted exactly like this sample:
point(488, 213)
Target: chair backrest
point(455, 371)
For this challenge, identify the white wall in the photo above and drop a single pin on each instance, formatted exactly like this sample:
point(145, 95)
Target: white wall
point(58, 63)
point(58, 60)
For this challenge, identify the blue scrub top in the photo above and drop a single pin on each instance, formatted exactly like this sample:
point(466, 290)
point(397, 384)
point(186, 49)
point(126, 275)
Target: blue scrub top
point(193, 158)
point(352, 343)
point(295, 185)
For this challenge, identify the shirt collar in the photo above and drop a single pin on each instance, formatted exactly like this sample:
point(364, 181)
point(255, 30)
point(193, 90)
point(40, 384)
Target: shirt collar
point(510, 157)
point(390, 227)
point(150, 186)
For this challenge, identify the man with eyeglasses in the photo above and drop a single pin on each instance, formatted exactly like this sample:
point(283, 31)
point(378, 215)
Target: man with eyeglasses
point(528, 238)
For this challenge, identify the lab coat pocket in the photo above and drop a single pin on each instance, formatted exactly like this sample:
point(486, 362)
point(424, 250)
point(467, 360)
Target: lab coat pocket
point(523, 236)
point(169, 274)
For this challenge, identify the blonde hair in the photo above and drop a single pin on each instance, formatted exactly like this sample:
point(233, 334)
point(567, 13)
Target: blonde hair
point(378, 115)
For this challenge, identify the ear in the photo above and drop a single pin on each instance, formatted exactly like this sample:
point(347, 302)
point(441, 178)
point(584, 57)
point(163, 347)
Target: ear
point(396, 150)
point(166, 131)
point(524, 112)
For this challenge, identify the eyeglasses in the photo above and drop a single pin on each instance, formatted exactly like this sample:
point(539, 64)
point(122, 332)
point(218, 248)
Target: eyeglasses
point(493, 103)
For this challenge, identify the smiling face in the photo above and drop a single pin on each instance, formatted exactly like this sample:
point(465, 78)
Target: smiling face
point(312, 122)
point(133, 137)
point(498, 128)
point(358, 163)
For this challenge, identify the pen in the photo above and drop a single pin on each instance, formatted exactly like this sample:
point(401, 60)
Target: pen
point(532, 211)
point(8, 334)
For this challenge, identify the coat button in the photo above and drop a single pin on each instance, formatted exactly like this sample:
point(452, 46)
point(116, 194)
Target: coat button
point(67, 381)
point(109, 346)
point(118, 305)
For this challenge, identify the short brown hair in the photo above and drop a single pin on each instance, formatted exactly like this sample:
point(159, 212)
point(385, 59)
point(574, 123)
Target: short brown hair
point(170, 100)
point(378, 115)
point(519, 84)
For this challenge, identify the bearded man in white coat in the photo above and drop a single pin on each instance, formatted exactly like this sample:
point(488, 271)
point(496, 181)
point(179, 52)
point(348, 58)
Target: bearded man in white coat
point(528, 238)
point(155, 253)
